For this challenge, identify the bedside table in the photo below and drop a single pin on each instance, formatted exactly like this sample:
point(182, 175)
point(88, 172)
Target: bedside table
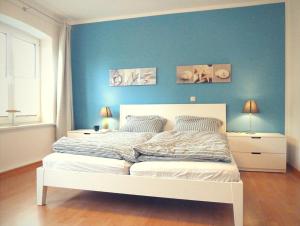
point(259, 151)
point(86, 132)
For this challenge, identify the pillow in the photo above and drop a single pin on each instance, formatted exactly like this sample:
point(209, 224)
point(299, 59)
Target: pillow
point(194, 123)
point(147, 123)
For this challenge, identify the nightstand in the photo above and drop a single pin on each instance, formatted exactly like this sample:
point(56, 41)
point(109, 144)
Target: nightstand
point(259, 151)
point(86, 132)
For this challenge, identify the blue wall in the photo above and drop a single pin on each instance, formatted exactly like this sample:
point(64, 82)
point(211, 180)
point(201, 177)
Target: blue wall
point(250, 38)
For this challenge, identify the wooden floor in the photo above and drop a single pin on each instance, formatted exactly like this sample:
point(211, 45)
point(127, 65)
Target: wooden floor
point(269, 198)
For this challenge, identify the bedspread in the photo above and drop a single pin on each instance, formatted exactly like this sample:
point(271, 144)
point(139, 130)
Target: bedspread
point(185, 146)
point(116, 145)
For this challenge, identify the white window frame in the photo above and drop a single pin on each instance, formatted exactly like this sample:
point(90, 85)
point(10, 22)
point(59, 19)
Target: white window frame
point(10, 33)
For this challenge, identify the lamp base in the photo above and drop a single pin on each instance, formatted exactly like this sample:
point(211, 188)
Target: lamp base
point(250, 131)
point(105, 124)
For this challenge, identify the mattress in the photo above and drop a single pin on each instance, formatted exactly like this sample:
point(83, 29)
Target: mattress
point(204, 171)
point(81, 163)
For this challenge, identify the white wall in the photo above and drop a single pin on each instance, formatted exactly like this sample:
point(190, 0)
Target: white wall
point(293, 81)
point(21, 146)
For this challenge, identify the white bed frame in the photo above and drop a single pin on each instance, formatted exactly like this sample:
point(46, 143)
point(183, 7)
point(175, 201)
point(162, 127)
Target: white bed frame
point(221, 192)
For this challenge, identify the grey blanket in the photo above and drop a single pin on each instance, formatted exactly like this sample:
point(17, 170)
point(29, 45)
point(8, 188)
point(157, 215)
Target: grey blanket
point(185, 146)
point(116, 145)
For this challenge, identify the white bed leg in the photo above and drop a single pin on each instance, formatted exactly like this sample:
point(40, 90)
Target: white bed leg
point(41, 190)
point(238, 206)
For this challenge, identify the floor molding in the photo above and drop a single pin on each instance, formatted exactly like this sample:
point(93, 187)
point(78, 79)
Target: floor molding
point(21, 169)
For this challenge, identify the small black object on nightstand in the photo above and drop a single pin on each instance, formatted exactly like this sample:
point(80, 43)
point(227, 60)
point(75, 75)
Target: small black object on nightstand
point(96, 128)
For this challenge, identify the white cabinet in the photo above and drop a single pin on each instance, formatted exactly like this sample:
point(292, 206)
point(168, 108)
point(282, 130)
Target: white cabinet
point(86, 132)
point(259, 151)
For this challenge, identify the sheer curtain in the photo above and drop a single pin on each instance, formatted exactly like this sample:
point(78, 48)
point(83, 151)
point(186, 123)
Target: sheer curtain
point(64, 114)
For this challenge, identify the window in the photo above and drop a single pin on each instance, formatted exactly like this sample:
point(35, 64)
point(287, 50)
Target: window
point(19, 76)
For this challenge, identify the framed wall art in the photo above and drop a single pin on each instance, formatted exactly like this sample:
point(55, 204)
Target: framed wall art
point(132, 77)
point(204, 73)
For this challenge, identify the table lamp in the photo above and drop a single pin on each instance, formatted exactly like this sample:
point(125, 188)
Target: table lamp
point(105, 113)
point(250, 107)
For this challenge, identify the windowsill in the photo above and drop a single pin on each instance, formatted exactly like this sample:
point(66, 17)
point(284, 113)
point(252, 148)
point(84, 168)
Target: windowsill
point(25, 126)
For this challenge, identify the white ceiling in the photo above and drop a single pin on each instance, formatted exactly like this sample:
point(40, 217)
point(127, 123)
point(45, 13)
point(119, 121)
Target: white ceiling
point(84, 11)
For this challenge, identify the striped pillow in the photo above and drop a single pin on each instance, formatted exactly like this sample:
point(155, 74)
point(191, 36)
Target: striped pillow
point(194, 123)
point(147, 123)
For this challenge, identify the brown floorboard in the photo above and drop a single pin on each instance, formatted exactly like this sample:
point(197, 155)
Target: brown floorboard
point(270, 199)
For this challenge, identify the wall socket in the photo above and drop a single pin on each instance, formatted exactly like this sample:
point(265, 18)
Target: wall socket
point(192, 99)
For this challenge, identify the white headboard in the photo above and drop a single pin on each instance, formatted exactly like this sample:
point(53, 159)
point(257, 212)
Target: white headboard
point(170, 111)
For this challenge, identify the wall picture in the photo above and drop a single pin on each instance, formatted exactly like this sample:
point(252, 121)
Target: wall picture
point(132, 77)
point(205, 73)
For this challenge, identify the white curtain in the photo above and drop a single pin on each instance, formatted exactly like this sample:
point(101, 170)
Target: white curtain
point(64, 114)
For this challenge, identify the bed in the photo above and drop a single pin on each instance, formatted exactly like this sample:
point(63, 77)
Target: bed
point(198, 181)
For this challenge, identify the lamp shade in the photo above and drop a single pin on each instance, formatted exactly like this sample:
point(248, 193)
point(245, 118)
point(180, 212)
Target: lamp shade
point(250, 106)
point(105, 112)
